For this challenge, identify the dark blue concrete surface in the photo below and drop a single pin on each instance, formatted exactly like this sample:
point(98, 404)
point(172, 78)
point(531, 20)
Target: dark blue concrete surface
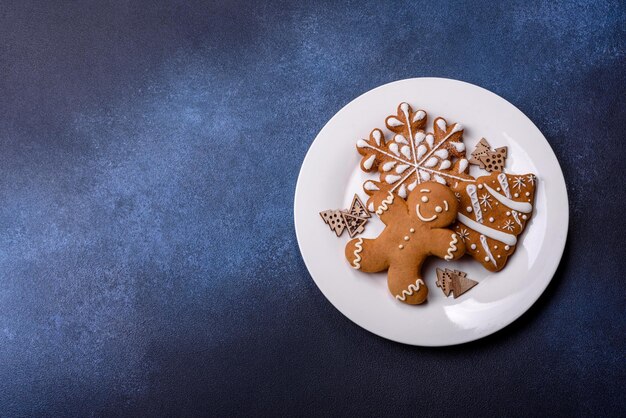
point(148, 159)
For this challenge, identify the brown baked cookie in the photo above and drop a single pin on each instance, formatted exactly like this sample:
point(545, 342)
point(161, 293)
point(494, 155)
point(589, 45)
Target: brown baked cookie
point(415, 229)
point(411, 155)
point(493, 212)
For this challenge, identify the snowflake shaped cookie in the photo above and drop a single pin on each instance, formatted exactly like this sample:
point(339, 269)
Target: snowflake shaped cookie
point(411, 155)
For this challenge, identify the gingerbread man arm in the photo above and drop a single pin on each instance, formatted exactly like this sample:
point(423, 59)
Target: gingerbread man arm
point(389, 207)
point(446, 244)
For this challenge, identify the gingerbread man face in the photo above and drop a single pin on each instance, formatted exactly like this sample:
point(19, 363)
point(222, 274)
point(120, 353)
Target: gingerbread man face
point(415, 229)
point(433, 204)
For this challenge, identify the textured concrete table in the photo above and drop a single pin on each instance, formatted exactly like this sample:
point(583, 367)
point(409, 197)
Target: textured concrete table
point(148, 157)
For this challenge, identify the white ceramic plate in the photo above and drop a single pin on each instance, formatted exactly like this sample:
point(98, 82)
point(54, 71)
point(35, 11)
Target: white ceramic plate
point(330, 175)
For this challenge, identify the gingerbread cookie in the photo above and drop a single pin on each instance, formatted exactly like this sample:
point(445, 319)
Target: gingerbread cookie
point(493, 212)
point(415, 229)
point(412, 155)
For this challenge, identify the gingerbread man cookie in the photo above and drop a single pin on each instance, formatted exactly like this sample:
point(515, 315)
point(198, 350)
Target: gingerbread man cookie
point(415, 229)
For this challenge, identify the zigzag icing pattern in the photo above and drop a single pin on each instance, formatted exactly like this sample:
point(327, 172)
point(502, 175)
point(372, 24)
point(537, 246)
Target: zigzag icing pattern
point(356, 263)
point(471, 192)
point(384, 205)
point(410, 290)
point(452, 248)
point(483, 242)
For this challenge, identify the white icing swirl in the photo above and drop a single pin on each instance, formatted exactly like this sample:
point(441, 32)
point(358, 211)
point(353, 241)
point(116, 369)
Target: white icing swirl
point(452, 248)
point(384, 205)
point(356, 263)
point(410, 290)
point(483, 242)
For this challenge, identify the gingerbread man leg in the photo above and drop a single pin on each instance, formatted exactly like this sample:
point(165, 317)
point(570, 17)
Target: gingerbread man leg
point(406, 284)
point(363, 254)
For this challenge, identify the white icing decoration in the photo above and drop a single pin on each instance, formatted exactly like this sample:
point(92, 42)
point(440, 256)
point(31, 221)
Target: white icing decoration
point(369, 185)
point(370, 207)
point(425, 199)
point(401, 246)
point(394, 122)
point(483, 242)
point(412, 230)
point(402, 191)
point(485, 230)
point(459, 146)
point(361, 143)
point(445, 203)
point(473, 246)
point(421, 150)
point(504, 183)
point(451, 248)
point(471, 192)
point(442, 124)
point(519, 183)
point(406, 238)
point(516, 217)
point(412, 186)
point(456, 128)
point(419, 115)
point(400, 154)
point(463, 163)
point(402, 168)
point(424, 190)
point(491, 219)
point(367, 164)
point(384, 205)
point(523, 207)
point(419, 215)
point(377, 136)
point(410, 290)
point(506, 247)
point(508, 225)
point(438, 209)
point(469, 209)
point(356, 263)
point(400, 139)
point(391, 179)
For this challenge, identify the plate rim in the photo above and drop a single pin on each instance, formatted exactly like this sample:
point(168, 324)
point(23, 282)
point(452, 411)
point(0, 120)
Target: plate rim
point(529, 303)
